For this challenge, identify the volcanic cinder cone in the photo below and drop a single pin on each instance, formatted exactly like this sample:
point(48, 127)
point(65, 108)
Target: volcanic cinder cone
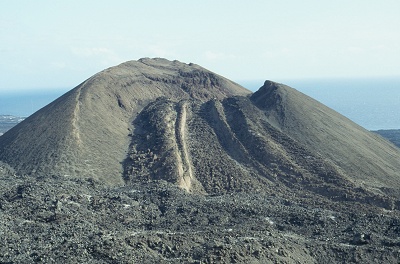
point(155, 119)
point(86, 132)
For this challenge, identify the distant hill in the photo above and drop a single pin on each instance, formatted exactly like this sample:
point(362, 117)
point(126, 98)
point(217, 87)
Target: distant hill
point(8, 121)
point(391, 134)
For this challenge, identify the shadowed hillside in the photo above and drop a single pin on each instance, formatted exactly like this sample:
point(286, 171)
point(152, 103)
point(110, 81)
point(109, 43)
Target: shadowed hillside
point(391, 134)
point(366, 159)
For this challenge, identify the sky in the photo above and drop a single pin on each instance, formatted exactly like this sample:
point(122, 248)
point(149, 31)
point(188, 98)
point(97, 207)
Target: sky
point(50, 44)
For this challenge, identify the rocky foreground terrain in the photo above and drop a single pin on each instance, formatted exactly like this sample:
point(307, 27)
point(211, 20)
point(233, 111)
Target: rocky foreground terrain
point(157, 161)
point(70, 220)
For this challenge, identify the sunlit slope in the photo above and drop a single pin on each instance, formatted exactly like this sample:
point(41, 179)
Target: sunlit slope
point(85, 133)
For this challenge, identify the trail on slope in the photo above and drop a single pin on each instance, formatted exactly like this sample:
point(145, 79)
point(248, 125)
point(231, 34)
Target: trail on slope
point(75, 117)
point(184, 165)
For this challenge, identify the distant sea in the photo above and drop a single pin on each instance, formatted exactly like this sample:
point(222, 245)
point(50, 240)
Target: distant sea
point(373, 103)
point(25, 103)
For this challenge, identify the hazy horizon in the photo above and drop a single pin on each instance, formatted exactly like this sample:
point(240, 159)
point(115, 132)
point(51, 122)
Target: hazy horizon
point(49, 47)
point(61, 43)
point(370, 102)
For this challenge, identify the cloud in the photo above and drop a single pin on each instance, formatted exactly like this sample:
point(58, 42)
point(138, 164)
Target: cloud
point(278, 53)
point(158, 51)
point(163, 50)
point(90, 52)
point(59, 64)
point(104, 55)
point(356, 50)
point(213, 56)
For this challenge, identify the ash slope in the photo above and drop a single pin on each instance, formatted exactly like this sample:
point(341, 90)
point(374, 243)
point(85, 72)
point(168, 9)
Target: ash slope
point(154, 119)
point(85, 133)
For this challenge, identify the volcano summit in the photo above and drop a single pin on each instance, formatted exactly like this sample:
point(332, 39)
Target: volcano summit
point(164, 125)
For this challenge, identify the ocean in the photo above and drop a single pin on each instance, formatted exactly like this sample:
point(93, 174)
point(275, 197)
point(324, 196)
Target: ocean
point(25, 103)
point(373, 103)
